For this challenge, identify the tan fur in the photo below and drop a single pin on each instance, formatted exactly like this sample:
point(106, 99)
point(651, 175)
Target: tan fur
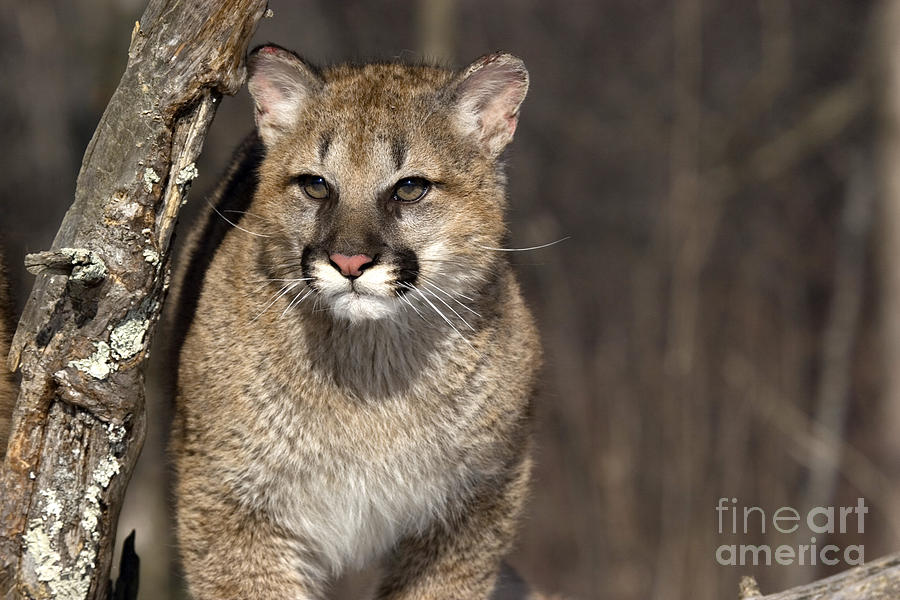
point(7, 384)
point(348, 429)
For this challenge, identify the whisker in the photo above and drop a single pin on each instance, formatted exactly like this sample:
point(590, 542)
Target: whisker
point(292, 279)
point(295, 263)
point(295, 302)
point(443, 316)
point(443, 261)
point(290, 304)
point(284, 291)
point(315, 306)
point(249, 214)
point(474, 276)
point(411, 305)
point(430, 282)
point(260, 286)
point(525, 249)
point(442, 301)
point(262, 283)
point(280, 290)
point(232, 223)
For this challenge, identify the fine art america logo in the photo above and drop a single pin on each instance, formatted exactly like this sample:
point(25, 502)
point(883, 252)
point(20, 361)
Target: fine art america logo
point(820, 520)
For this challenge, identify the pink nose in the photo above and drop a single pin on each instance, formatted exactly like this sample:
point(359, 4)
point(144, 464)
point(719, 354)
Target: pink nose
point(350, 266)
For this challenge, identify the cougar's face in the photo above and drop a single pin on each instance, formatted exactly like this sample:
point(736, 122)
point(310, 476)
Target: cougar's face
point(373, 207)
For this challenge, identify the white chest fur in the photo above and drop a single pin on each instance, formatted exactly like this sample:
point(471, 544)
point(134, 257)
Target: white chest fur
point(352, 485)
point(353, 514)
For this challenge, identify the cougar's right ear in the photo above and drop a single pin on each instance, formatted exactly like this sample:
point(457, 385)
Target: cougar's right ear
point(280, 82)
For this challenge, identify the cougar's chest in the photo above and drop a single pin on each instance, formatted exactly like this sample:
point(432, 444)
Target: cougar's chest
point(354, 480)
point(356, 440)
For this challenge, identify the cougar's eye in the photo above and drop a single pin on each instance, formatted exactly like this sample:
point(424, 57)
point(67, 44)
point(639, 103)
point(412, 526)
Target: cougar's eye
point(411, 189)
point(314, 186)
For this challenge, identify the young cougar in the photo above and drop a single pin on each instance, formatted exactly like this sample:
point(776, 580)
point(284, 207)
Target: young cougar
point(354, 384)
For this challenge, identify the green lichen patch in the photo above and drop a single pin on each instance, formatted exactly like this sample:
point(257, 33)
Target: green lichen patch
point(66, 581)
point(150, 177)
point(80, 264)
point(127, 339)
point(98, 365)
point(151, 256)
point(187, 174)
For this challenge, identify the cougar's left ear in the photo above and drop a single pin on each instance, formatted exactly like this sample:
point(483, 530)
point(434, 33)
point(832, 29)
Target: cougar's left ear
point(488, 95)
point(280, 83)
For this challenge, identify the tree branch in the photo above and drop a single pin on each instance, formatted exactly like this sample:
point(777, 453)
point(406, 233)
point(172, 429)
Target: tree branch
point(877, 580)
point(81, 344)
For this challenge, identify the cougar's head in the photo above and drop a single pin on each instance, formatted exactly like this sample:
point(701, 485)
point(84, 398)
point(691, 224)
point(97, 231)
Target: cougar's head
point(381, 187)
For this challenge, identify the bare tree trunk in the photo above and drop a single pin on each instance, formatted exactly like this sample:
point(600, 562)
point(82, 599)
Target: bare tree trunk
point(690, 222)
point(81, 344)
point(841, 330)
point(437, 30)
point(889, 227)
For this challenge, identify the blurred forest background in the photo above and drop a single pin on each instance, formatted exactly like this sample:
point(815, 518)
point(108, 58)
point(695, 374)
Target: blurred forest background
point(724, 320)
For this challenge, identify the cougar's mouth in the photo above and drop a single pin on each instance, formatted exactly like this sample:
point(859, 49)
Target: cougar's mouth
point(356, 287)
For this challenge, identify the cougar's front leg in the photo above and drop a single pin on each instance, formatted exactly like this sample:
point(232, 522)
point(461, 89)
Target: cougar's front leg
point(460, 558)
point(229, 552)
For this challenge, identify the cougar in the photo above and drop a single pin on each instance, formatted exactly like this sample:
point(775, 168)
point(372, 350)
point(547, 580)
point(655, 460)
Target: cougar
point(355, 380)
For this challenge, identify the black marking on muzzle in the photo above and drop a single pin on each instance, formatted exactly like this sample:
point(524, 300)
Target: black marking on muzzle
point(407, 270)
point(305, 266)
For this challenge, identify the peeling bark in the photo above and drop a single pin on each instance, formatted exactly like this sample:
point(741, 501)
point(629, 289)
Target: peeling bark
point(82, 341)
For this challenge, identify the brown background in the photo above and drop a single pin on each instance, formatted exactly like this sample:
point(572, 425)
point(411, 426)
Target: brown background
point(717, 325)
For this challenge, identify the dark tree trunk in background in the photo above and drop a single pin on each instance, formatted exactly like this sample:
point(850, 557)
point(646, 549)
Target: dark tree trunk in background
point(81, 343)
point(889, 230)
